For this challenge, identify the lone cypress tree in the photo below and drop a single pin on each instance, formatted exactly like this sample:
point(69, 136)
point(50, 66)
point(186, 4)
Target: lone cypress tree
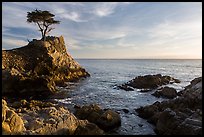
point(44, 19)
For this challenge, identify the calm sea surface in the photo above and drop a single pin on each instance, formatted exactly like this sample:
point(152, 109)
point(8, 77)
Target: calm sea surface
point(105, 74)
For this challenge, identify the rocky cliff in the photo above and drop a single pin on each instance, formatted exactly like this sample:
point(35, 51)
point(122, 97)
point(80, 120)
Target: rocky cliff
point(31, 73)
point(36, 69)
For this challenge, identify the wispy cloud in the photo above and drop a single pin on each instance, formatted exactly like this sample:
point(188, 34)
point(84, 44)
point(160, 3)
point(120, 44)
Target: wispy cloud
point(177, 30)
point(10, 42)
point(125, 29)
point(72, 44)
point(74, 16)
point(105, 9)
point(100, 35)
point(175, 34)
point(15, 15)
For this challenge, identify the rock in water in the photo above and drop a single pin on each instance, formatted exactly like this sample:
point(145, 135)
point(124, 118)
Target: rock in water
point(166, 92)
point(178, 116)
point(35, 69)
point(88, 129)
point(148, 82)
point(104, 119)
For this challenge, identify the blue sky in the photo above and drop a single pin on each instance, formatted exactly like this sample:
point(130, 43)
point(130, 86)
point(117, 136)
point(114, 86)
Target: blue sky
point(113, 29)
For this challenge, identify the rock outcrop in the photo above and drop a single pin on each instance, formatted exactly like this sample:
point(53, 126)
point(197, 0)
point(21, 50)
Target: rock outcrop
point(12, 124)
point(148, 82)
point(36, 69)
point(43, 118)
point(179, 116)
point(88, 128)
point(105, 119)
point(166, 92)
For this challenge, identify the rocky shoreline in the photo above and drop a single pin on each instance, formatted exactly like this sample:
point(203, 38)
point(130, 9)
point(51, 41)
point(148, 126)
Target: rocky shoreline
point(36, 117)
point(178, 116)
point(28, 79)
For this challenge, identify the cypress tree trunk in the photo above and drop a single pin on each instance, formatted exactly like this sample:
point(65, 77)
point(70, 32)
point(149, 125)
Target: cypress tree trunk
point(42, 35)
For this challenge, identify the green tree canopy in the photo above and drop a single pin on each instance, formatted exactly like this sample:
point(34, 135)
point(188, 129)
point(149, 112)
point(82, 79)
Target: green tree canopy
point(44, 20)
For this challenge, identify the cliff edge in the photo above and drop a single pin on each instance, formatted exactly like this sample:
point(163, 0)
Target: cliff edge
point(35, 69)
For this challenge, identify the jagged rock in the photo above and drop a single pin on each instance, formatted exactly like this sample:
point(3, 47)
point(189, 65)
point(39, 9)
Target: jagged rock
point(88, 129)
point(109, 120)
point(179, 116)
point(37, 73)
point(104, 119)
point(43, 118)
point(166, 122)
point(148, 111)
point(194, 90)
point(166, 92)
point(12, 124)
point(84, 112)
point(148, 82)
point(190, 127)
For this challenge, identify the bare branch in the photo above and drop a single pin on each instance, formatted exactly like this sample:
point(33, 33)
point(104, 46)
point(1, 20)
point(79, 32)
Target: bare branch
point(50, 29)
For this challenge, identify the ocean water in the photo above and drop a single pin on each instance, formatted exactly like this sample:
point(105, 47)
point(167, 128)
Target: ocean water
point(106, 74)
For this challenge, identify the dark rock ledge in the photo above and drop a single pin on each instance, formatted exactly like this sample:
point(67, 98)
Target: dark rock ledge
point(166, 92)
point(178, 116)
point(148, 82)
point(105, 119)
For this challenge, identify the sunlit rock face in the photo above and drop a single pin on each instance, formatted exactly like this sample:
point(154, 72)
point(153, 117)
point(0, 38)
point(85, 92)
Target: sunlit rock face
point(36, 69)
point(12, 123)
point(43, 118)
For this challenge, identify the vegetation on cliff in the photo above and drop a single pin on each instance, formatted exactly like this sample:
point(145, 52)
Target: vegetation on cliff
point(44, 20)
